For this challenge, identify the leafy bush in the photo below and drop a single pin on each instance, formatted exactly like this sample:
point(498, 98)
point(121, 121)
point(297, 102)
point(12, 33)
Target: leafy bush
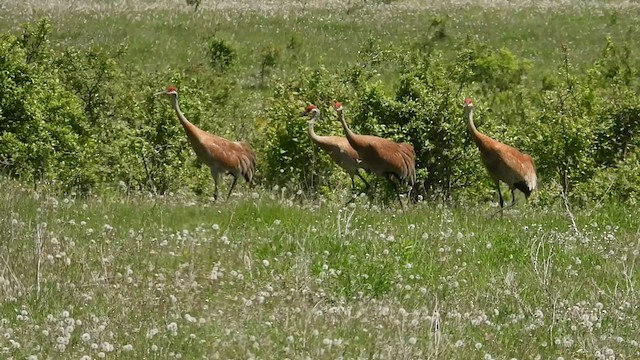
point(220, 53)
point(289, 156)
point(83, 119)
point(619, 183)
point(41, 122)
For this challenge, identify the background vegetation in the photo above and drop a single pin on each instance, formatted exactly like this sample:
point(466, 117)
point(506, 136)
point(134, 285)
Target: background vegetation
point(77, 107)
point(110, 246)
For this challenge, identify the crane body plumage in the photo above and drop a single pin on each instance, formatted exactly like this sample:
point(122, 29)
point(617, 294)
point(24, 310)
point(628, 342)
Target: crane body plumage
point(383, 157)
point(503, 162)
point(222, 156)
point(338, 148)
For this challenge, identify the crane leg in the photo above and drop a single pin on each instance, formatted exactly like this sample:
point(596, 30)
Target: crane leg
point(353, 183)
point(233, 184)
point(366, 184)
point(396, 189)
point(513, 197)
point(500, 195)
point(215, 177)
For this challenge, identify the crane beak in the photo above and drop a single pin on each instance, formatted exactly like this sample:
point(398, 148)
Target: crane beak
point(160, 93)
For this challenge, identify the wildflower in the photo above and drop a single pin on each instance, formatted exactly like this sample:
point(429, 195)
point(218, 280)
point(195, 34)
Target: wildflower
point(172, 327)
point(265, 262)
point(85, 337)
point(413, 340)
point(127, 347)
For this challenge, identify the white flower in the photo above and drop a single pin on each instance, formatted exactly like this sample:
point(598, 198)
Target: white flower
point(85, 337)
point(172, 327)
point(413, 340)
point(265, 262)
point(127, 347)
point(107, 347)
point(215, 227)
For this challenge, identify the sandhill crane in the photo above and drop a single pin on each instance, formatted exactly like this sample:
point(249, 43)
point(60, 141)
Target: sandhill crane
point(503, 162)
point(337, 147)
point(221, 155)
point(385, 158)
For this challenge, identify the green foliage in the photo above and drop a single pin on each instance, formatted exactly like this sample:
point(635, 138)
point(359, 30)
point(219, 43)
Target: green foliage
point(619, 182)
point(288, 155)
point(269, 57)
point(73, 118)
point(220, 53)
point(83, 118)
point(41, 120)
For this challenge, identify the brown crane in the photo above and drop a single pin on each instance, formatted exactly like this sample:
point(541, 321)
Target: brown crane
point(219, 154)
point(383, 157)
point(503, 162)
point(337, 147)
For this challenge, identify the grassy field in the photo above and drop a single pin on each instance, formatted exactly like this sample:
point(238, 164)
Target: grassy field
point(162, 34)
point(268, 276)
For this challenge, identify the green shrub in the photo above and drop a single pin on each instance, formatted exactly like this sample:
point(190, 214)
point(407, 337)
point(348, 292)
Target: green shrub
point(220, 53)
point(288, 155)
point(41, 121)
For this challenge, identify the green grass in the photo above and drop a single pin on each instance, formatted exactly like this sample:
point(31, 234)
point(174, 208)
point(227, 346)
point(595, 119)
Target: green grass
point(169, 37)
point(271, 277)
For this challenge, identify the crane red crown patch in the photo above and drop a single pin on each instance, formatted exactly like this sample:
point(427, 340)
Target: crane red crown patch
point(172, 88)
point(310, 107)
point(337, 105)
point(468, 101)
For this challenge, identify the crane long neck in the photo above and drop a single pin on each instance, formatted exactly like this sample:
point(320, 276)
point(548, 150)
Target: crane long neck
point(472, 127)
point(347, 131)
point(312, 133)
point(189, 128)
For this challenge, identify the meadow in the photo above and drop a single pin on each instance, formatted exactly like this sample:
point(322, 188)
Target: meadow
point(265, 276)
point(111, 246)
